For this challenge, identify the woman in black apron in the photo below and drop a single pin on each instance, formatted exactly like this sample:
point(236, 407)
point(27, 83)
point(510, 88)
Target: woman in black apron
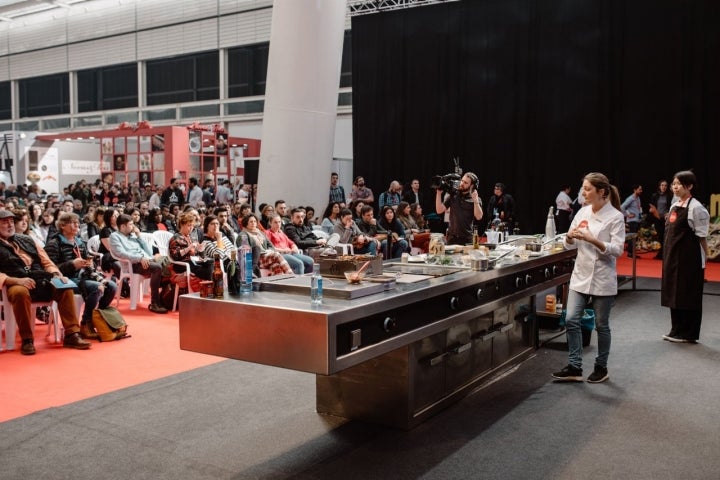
point(684, 252)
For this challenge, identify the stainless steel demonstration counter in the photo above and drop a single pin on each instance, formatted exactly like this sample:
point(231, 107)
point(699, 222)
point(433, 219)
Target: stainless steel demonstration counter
point(395, 356)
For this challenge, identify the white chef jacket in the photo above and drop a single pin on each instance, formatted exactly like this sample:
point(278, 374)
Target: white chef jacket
point(595, 272)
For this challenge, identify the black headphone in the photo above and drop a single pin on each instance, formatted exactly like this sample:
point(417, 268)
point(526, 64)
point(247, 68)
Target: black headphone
point(474, 179)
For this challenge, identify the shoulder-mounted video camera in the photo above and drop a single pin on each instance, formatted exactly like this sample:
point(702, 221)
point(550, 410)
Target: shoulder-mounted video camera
point(447, 183)
point(450, 182)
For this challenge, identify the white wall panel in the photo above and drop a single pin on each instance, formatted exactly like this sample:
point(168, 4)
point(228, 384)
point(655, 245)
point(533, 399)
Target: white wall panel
point(177, 40)
point(101, 22)
point(35, 64)
point(4, 69)
point(245, 28)
point(230, 6)
point(163, 12)
point(36, 35)
point(106, 51)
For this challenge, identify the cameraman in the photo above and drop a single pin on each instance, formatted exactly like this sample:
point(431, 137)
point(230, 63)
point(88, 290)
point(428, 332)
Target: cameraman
point(465, 206)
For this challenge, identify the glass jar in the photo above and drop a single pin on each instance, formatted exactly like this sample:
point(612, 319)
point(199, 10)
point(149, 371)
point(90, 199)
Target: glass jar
point(436, 247)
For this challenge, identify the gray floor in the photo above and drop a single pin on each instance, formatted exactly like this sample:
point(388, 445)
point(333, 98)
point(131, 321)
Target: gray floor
point(657, 418)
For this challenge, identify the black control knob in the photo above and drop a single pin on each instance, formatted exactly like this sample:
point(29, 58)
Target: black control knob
point(454, 303)
point(389, 324)
point(555, 270)
point(528, 279)
point(547, 273)
point(518, 282)
point(479, 293)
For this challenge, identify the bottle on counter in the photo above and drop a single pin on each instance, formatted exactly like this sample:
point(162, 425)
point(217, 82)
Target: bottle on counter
point(496, 221)
point(550, 231)
point(217, 279)
point(316, 286)
point(246, 266)
point(476, 239)
point(233, 274)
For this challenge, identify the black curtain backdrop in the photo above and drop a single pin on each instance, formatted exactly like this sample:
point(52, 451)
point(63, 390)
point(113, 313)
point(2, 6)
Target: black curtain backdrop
point(537, 93)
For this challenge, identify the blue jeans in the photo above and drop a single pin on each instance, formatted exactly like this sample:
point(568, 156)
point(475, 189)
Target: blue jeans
point(576, 304)
point(370, 249)
point(299, 263)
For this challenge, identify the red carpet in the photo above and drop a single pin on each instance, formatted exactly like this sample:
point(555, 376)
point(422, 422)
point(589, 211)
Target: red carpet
point(57, 376)
point(647, 266)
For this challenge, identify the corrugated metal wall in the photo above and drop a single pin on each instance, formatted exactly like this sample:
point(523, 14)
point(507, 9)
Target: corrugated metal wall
point(107, 33)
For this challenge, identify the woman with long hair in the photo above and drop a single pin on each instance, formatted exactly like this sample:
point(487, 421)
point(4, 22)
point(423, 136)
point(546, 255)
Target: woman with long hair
point(34, 217)
point(417, 215)
point(291, 253)
point(110, 225)
point(22, 225)
point(397, 243)
point(264, 255)
point(46, 227)
point(598, 233)
point(419, 238)
point(96, 225)
point(355, 207)
point(331, 217)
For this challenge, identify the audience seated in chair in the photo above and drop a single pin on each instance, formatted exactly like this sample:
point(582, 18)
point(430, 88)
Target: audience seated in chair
point(299, 262)
point(127, 244)
point(349, 232)
point(264, 255)
point(69, 253)
point(23, 266)
point(396, 242)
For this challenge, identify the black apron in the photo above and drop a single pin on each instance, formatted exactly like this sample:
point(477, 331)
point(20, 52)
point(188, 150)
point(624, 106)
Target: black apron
point(682, 280)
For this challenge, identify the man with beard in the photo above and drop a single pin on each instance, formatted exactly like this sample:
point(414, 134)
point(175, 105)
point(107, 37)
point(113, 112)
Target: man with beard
point(173, 194)
point(465, 207)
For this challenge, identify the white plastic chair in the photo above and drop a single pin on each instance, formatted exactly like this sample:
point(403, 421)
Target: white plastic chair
point(54, 323)
point(162, 241)
point(136, 280)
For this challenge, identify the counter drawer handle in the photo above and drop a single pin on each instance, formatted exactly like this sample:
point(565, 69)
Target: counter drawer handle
point(462, 348)
point(505, 327)
point(437, 359)
point(488, 336)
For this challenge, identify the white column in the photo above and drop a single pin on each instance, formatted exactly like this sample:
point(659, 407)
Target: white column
point(301, 94)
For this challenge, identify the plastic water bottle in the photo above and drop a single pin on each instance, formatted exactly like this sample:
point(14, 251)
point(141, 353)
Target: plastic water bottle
point(246, 266)
point(316, 286)
point(550, 231)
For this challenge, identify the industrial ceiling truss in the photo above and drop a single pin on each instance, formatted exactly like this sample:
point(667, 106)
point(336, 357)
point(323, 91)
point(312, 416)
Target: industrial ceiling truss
point(364, 7)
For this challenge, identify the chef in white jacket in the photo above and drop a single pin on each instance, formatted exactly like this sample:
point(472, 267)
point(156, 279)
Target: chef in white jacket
point(598, 233)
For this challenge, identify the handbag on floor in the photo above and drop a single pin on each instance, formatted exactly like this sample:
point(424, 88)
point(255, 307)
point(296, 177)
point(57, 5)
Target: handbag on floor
point(109, 324)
